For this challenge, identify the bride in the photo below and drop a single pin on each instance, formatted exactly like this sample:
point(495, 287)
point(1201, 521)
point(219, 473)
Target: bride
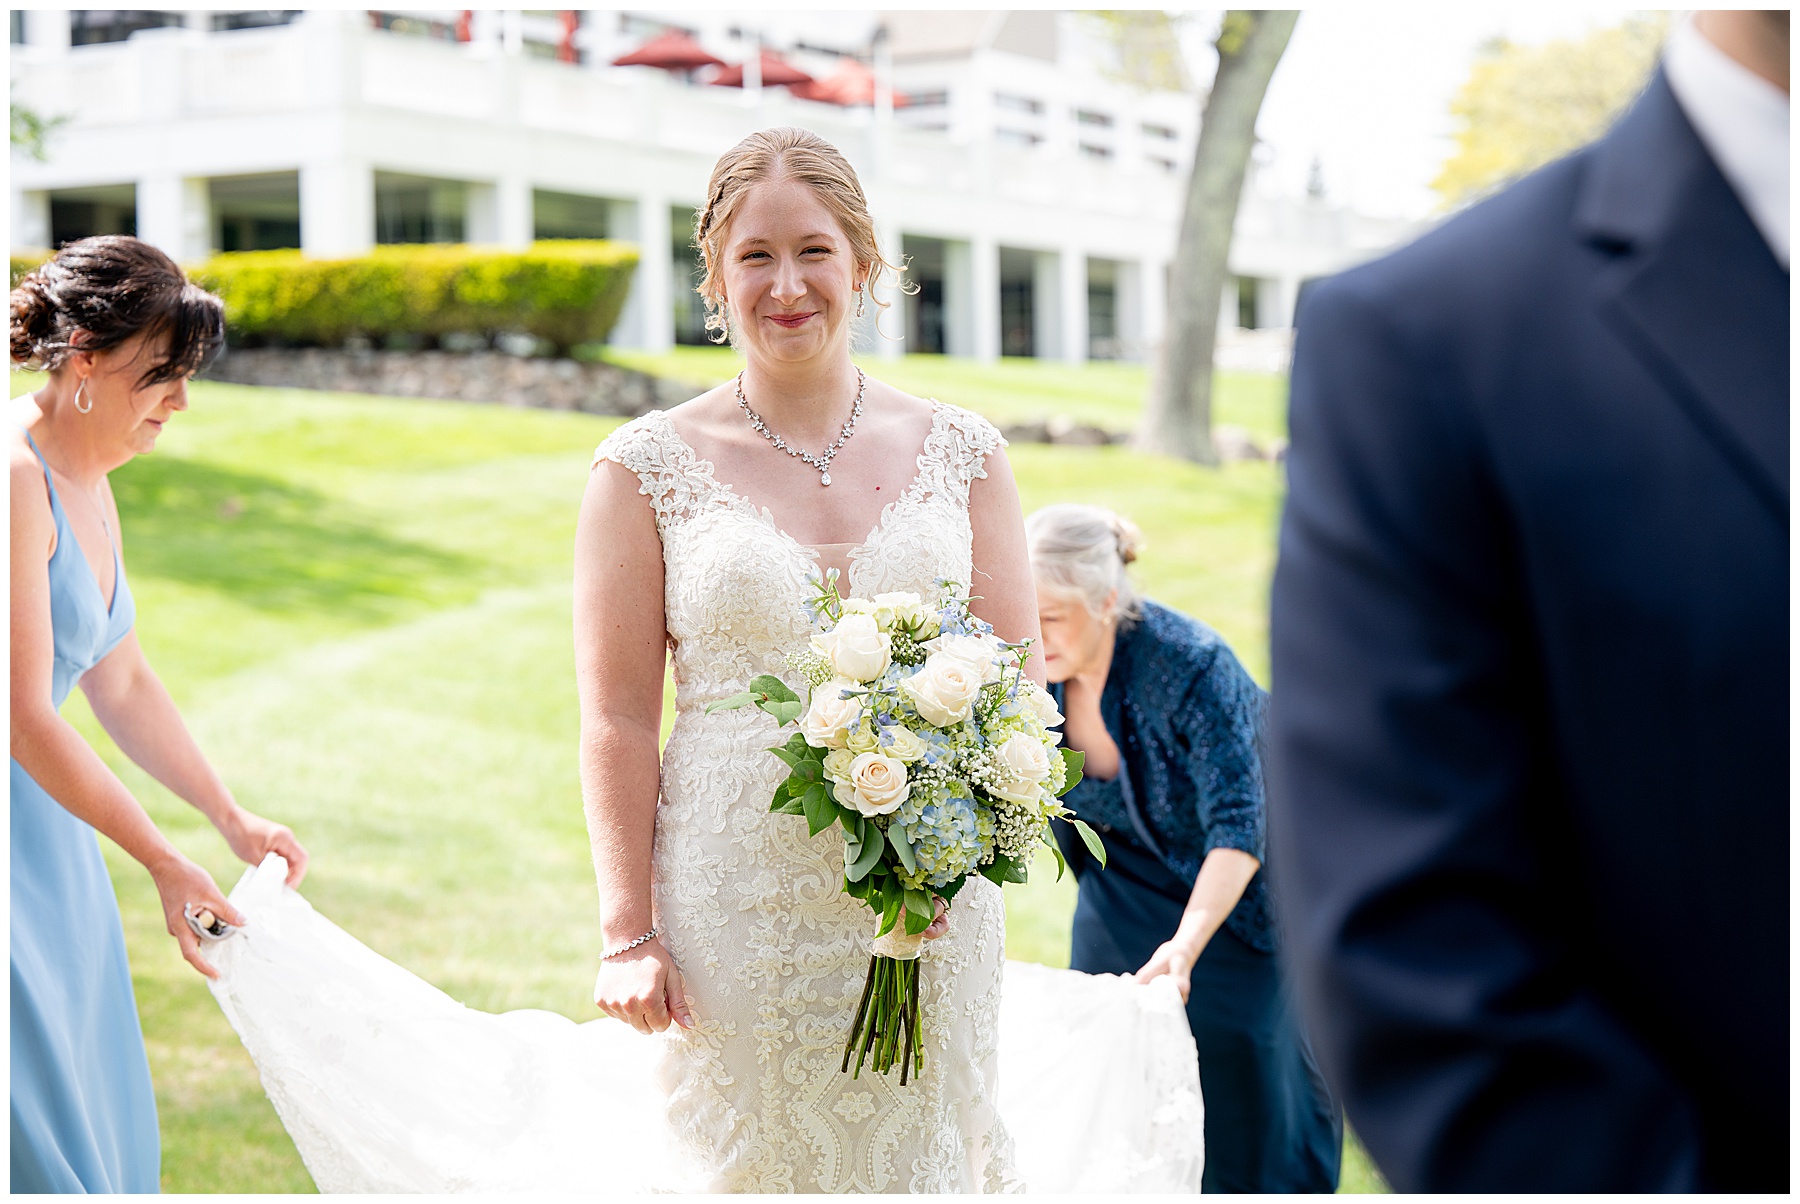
point(729, 940)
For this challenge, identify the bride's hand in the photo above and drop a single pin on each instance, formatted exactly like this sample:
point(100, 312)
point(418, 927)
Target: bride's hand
point(940, 920)
point(644, 989)
point(180, 882)
point(252, 838)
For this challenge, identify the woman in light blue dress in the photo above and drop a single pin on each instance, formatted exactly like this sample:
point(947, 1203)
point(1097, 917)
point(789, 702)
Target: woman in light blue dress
point(120, 331)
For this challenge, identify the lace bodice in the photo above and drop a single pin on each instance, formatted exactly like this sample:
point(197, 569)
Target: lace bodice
point(773, 953)
point(734, 581)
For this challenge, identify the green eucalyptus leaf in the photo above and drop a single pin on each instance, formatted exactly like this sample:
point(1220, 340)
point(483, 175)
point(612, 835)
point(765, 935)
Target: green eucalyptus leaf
point(820, 811)
point(868, 854)
point(903, 851)
point(1091, 838)
point(730, 704)
point(919, 911)
point(767, 685)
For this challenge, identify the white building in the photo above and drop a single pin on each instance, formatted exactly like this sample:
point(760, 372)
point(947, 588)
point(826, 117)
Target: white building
point(1037, 198)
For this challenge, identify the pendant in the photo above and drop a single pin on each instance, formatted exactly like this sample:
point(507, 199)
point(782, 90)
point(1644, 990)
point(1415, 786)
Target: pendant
point(824, 478)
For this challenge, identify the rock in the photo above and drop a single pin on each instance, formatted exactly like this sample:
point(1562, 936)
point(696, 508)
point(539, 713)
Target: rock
point(1234, 443)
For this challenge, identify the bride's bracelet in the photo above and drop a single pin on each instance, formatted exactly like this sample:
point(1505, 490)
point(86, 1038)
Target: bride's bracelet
point(648, 936)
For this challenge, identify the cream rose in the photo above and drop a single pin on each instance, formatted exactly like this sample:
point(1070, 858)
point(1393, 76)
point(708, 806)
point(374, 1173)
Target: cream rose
point(857, 648)
point(1039, 703)
point(975, 651)
point(1027, 766)
point(898, 611)
point(877, 783)
point(830, 714)
point(837, 764)
point(862, 738)
point(943, 689)
point(905, 744)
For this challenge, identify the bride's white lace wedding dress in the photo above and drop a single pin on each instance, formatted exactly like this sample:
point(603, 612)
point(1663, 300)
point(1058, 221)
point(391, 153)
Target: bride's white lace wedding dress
point(1033, 1077)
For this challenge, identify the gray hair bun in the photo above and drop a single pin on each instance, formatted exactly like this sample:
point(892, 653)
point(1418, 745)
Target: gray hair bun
point(1081, 551)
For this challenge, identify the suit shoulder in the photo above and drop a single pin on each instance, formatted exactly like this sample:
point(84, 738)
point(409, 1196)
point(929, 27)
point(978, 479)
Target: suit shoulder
point(1493, 248)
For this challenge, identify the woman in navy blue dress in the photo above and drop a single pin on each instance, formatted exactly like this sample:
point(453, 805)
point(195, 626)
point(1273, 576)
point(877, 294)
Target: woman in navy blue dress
point(120, 331)
point(1170, 724)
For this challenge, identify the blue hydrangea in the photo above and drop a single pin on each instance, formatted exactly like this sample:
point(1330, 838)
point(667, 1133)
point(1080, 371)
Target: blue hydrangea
point(944, 829)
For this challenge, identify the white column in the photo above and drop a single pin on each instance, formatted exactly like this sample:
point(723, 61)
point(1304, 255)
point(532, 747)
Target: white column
point(1284, 295)
point(512, 30)
point(47, 29)
point(1046, 306)
point(481, 212)
point(984, 297)
point(30, 218)
point(959, 299)
point(890, 330)
point(1128, 311)
point(1074, 296)
point(654, 285)
point(174, 215)
point(197, 19)
point(337, 208)
point(1153, 297)
point(517, 228)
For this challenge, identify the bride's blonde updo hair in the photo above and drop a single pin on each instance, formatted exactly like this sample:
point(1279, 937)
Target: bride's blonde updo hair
point(1081, 551)
point(785, 153)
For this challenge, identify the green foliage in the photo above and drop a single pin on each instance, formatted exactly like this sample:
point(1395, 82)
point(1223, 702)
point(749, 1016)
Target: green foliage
point(567, 292)
point(1524, 106)
point(27, 260)
point(1146, 48)
point(31, 130)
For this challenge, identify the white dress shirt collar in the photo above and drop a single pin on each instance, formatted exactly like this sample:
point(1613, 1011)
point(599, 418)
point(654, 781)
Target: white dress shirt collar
point(1742, 120)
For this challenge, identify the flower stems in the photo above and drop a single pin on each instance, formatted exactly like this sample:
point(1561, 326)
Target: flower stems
point(886, 1030)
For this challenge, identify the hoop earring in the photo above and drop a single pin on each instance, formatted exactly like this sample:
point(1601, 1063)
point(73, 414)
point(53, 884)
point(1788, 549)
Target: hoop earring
point(860, 298)
point(80, 391)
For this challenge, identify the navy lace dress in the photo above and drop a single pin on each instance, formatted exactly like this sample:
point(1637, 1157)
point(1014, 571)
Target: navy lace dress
point(1188, 720)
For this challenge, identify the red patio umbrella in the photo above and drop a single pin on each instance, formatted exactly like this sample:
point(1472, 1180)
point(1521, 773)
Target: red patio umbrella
point(776, 72)
point(672, 51)
point(851, 84)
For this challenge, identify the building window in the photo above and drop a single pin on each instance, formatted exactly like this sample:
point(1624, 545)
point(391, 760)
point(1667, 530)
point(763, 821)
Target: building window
point(1096, 152)
point(1168, 165)
point(1248, 289)
point(18, 27)
point(1089, 117)
point(1160, 131)
point(259, 19)
point(935, 99)
point(90, 27)
point(569, 215)
point(414, 209)
point(1017, 104)
point(1017, 137)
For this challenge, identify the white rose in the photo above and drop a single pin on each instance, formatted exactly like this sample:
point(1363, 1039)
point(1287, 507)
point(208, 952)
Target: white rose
point(1038, 702)
point(898, 611)
point(905, 744)
point(857, 648)
point(1027, 766)
point(862, 738)
point(983, 652)
point(877, 784)
point(837, 764)
point(831, 713)
point(943, 689)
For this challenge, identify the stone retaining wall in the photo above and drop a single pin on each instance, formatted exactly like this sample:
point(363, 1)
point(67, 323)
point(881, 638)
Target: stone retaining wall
point(490, 376)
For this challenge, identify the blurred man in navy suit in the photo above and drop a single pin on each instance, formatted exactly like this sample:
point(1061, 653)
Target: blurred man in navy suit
point(1528, 791)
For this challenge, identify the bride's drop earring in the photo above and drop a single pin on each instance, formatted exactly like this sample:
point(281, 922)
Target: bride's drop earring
point(860, 295)
point(80, 392)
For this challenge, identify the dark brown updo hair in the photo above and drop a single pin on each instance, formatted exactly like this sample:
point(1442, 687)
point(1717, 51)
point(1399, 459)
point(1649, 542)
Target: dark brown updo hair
point(100, 292)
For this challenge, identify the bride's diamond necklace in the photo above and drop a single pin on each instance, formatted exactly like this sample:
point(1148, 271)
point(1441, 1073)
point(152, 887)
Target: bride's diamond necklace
point(822, 461)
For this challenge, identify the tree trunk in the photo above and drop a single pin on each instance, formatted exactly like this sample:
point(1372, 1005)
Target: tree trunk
point(1178, 420)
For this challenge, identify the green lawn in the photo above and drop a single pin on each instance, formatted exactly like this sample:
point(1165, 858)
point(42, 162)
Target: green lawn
point(362, 606)
point(1009, 390)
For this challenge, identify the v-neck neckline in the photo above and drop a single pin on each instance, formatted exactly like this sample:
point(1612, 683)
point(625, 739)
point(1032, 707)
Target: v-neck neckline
point(110, 604)
point(710, 472)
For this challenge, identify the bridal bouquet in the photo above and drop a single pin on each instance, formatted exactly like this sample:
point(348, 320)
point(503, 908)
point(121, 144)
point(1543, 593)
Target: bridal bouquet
point(924, 741)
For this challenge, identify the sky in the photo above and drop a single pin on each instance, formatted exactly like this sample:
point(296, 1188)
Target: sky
point(1367, 89)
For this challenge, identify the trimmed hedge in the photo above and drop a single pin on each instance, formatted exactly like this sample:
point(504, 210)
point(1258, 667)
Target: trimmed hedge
point(564, 291)
point(24, 261)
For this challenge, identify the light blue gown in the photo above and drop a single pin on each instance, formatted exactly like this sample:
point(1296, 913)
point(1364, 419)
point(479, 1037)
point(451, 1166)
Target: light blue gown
point(83, 1114)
